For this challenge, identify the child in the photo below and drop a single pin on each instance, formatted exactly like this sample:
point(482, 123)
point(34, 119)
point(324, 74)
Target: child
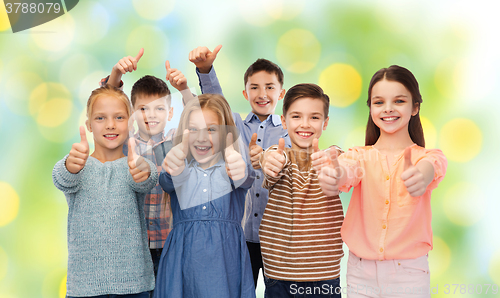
point(205, 254)
point(151, 101)
point(300, 230)
point(388, 224)
point(107, 240)
point(261, 128)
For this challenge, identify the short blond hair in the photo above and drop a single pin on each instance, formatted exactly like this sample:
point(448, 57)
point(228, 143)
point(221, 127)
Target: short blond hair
point(109, 91)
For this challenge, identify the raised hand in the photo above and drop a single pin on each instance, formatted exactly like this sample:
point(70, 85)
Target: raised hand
point(319, 158)
point(78, 154)
point(174, 161)
point(255, 152)
point(274, 161)
point(176, 77)
point(129, 63)
point(413, 179)
point(235, 165)
point(138, 166)
point(329, 175)
point(203, 58)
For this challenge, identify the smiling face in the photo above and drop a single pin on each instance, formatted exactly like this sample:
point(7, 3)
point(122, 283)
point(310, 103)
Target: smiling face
point(263, 91)
point(109, 124)
point(152, 114)
point(305, 120)
point(391, 107)
point(204, 137)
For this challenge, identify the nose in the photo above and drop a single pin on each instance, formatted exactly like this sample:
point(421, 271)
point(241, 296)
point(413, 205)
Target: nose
point(305, 122)
point(110, 123)
point(202, 135)
point(263, 93)
point(388, 108)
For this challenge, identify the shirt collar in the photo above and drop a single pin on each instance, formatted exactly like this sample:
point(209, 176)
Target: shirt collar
point(157, 138)
point(275, 119)
point(194, 163)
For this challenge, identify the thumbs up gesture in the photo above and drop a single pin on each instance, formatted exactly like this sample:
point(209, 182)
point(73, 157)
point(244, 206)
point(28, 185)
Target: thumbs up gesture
point(174, 161)
point(329, 174)
point(235, 165)
point(412, 177)
point(203, 58)
point(78, 154)
point(138, 166)
point(319, 158)
point(129, 63)
point(175, 77)
point(274, 161)
point(255, 152)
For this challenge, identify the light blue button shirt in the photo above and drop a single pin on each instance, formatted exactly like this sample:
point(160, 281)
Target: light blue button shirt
point(268, 132)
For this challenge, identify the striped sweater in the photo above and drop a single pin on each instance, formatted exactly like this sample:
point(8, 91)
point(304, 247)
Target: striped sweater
point(300, 230)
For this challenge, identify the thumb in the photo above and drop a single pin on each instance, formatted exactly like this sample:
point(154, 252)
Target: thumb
point(281, 146)
point(229, 142)
point(138, 57)
point(408, 163)
point(333, 157)
point(216, 50)
point(83, 136)
point(315, 145)
point(253, 141)
point(131, 150)
point(185, 141)
point(167, 66)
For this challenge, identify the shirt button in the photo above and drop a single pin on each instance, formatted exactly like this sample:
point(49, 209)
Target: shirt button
point(381, 249)
point(384, 226)
point(205, 175)
point(257, 195)
point(258, 177)
point(387, 177)
point(256, 214)
point(261, 126)
point(205, 190)
point(150, 222)
point(204, 207)
point(258, 140)
point(386, 202)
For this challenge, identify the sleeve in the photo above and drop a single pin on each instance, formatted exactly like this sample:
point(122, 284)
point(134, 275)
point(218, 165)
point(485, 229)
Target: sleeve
point(269, 181)
point(169, 183)
point(148, 184)
point(64, 180)
point(439, 162)
point(104, 81)
point(350, 162)
point(209, 83)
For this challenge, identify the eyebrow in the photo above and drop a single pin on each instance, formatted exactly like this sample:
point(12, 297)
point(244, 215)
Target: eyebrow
point(267, 84)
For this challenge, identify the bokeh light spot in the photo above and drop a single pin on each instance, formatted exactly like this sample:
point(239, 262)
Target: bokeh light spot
point(4, 261)
point(84, 64)
point(342, 83)
point(9, 200)
point(458, 206)
point(461, 140)
point(43, 92)
point(430, 133)
point(95, 30)
point(154, 42)
point(439, 257)
point(18, 89)
point(54, 112)
point(449, 77)
point(62, 287)
point(152, 9)
point(62, 31)
point(284, 10)
point(298, 51)
point(495, 267)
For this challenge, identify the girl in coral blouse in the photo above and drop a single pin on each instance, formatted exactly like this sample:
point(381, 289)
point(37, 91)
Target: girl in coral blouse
point(388, 223)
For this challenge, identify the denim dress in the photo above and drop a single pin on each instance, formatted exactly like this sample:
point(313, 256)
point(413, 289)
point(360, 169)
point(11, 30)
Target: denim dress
point(205, 254)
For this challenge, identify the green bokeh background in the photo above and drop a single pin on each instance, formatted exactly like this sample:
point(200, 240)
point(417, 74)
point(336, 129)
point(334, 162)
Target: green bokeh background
point(48, 72)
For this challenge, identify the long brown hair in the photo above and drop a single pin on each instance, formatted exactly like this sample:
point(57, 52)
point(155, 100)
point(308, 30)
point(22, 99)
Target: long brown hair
point(217, 104)
point(404, 76)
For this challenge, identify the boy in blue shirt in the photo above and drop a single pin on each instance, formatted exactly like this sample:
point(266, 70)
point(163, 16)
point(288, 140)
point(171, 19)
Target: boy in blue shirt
point(260, 129)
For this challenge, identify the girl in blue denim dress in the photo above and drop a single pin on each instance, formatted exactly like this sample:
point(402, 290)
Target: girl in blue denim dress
point(205, 254)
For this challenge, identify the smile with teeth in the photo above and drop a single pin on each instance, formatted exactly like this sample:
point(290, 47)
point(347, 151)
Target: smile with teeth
point(262, 103)
point(305, 134)
point(390, 118)
point(110, 136)
point(152, 123)
point(202, 150)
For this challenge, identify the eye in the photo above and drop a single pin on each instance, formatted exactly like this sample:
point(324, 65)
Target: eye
point(212, 129)
point(315, 117)
point(120, 117)
point(270, 87)
point(192, 129)
point(253, 88)
point(295, 116)
point(99, 118)
point(378, 102)
point(400, 101)
point(160, 109)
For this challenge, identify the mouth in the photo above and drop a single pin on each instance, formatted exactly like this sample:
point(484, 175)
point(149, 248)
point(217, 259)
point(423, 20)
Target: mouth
point(263, 103)
point(110, 137)
point(304, 135)
point(202, 150)
point(152, 124)
point(389, 119)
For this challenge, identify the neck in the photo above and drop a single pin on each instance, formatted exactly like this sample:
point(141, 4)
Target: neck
point(104, 154)
point(262, 118)
point(395, 141)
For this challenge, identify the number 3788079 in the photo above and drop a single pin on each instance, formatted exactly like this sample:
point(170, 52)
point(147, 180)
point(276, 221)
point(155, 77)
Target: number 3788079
point(33, 7)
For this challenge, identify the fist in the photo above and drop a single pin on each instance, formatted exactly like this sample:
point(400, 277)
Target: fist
point(174, 162)
point(203, 58)
point(175, 77)
point(274, 161)
point(255, 152)
point(138, 166)
point(235, 165)
point(129, 63)
point(78, 154)
point(413, 179)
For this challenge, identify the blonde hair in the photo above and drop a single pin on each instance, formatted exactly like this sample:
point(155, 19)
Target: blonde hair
point(217, 104)
point(108, 90)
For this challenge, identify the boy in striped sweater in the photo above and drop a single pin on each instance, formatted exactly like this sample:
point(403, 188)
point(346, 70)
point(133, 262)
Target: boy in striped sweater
point(300, 230)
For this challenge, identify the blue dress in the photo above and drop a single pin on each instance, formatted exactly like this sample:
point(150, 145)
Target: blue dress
point(205, 254)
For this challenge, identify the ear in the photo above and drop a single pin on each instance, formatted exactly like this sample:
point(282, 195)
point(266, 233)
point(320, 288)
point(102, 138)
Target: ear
point(326, 123)
point(282, 94)
point(283, 121)
point(170, 113)
point(245, 94)
point(416, 108)
point(87, 124)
